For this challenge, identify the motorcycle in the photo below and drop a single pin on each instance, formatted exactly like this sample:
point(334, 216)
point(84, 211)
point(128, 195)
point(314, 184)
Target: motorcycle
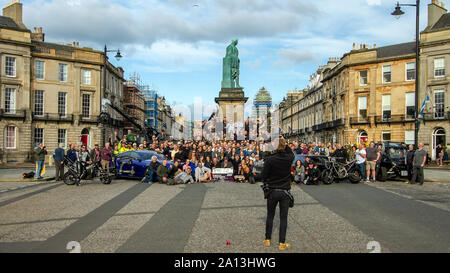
point(335, 172)
point(74, 175)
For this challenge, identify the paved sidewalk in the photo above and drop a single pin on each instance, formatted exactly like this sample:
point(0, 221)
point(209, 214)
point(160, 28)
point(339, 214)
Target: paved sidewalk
point(15, 174)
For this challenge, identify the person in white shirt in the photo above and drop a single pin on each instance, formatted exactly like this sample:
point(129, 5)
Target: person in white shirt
point(360, 156)
point(202, 174)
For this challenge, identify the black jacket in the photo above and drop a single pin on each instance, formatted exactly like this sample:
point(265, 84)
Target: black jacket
point(277, 170)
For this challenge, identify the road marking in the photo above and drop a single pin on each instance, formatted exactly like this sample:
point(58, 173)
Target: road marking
point(24, 196)
point(169, 229)
point(87, 224)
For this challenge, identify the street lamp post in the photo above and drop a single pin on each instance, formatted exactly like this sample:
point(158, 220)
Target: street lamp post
point(105, 57)
point(397, 13)
point(118, 57)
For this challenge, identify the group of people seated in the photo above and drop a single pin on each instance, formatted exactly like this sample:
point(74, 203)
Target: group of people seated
point(178, 172)
point(306, 173)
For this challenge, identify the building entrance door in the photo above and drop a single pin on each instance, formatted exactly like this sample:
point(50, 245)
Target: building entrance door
point(438, 138)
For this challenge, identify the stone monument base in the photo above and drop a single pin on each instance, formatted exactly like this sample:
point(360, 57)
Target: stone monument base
point(232, 99)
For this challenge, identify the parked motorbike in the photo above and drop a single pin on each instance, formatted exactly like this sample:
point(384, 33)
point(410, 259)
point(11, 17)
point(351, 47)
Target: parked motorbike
point(74, 175)
point(336, 172)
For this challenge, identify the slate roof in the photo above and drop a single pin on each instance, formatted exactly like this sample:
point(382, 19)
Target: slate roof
point(7, 22)
point(396, 50)
point(443, 22)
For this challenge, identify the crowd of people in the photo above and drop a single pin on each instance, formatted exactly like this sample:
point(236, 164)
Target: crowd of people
point(194, 161)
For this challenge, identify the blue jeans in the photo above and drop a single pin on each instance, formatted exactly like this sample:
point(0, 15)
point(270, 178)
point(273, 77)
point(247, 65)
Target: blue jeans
point(149, 177)
point(39, 169)
point(362, 170)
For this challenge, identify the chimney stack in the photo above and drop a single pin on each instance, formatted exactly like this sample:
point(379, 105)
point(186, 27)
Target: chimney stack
point(13, 10)
point(435, 10)
point(38, 35)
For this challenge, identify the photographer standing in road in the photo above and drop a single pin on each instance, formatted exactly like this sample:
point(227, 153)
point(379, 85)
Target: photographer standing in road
point(276, 175)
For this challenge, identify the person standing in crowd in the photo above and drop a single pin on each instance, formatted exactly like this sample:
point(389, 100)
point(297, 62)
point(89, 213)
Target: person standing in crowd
point(324, 150)
point(115, 149)
point(40, 152)
point(409, 162)
point(340, 154)
point(439, 155)
point(72, 154)
point(84, 159)
point(95, 154)
point(130, 137)
point(420, 158)
point(59, 156)
point(360, 156)
point(352, 153)
point(106, 157)
point(277, 175)
point(371, 161)
point(382, 154)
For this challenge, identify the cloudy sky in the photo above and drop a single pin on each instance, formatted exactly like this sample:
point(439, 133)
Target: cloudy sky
point(177, 46)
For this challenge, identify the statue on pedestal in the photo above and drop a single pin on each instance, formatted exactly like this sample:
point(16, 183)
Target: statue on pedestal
point(231, 64)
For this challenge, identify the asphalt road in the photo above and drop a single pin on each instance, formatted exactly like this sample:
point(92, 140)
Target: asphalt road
point(126, 216)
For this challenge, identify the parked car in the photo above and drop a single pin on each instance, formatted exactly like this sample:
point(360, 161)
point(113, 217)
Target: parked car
point(133, 164)
point(319, 160)
point(392, 164)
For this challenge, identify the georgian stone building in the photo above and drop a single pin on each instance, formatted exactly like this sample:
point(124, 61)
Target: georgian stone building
point(369, 95)
point(15, 65)
point(165, 116)
point(435, 79)
point(51, 93)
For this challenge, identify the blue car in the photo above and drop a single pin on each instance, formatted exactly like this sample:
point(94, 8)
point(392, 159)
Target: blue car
point(317, 159)
point(133, 164)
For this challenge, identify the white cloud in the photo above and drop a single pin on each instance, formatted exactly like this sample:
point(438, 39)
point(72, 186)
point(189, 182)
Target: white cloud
point(373, 2)
point(293, 57)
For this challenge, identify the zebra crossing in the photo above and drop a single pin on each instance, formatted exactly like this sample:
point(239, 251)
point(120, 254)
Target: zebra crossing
point(130, 217)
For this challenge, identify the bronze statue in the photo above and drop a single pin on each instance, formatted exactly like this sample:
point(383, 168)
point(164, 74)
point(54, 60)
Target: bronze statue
point(231, 66)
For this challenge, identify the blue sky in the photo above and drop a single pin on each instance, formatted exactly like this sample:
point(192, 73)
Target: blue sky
point(177, 48)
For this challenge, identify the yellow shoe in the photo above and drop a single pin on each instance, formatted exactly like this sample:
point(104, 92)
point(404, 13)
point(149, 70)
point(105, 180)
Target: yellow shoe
point(267, 242)
point(284, 246)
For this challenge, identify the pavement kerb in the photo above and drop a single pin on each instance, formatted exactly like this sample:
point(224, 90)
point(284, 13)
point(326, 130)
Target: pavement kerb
point(26, 179)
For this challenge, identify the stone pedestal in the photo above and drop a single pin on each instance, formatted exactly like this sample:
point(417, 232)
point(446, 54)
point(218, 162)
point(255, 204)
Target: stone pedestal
point(231, 101)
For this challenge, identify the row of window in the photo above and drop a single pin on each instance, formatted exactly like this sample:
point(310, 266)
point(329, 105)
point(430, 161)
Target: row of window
point(439, 105)
point(338, 112)
point(38, 137)
point(386, 136)
point(10, 103)
point(39, 71)
point(439, 71)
